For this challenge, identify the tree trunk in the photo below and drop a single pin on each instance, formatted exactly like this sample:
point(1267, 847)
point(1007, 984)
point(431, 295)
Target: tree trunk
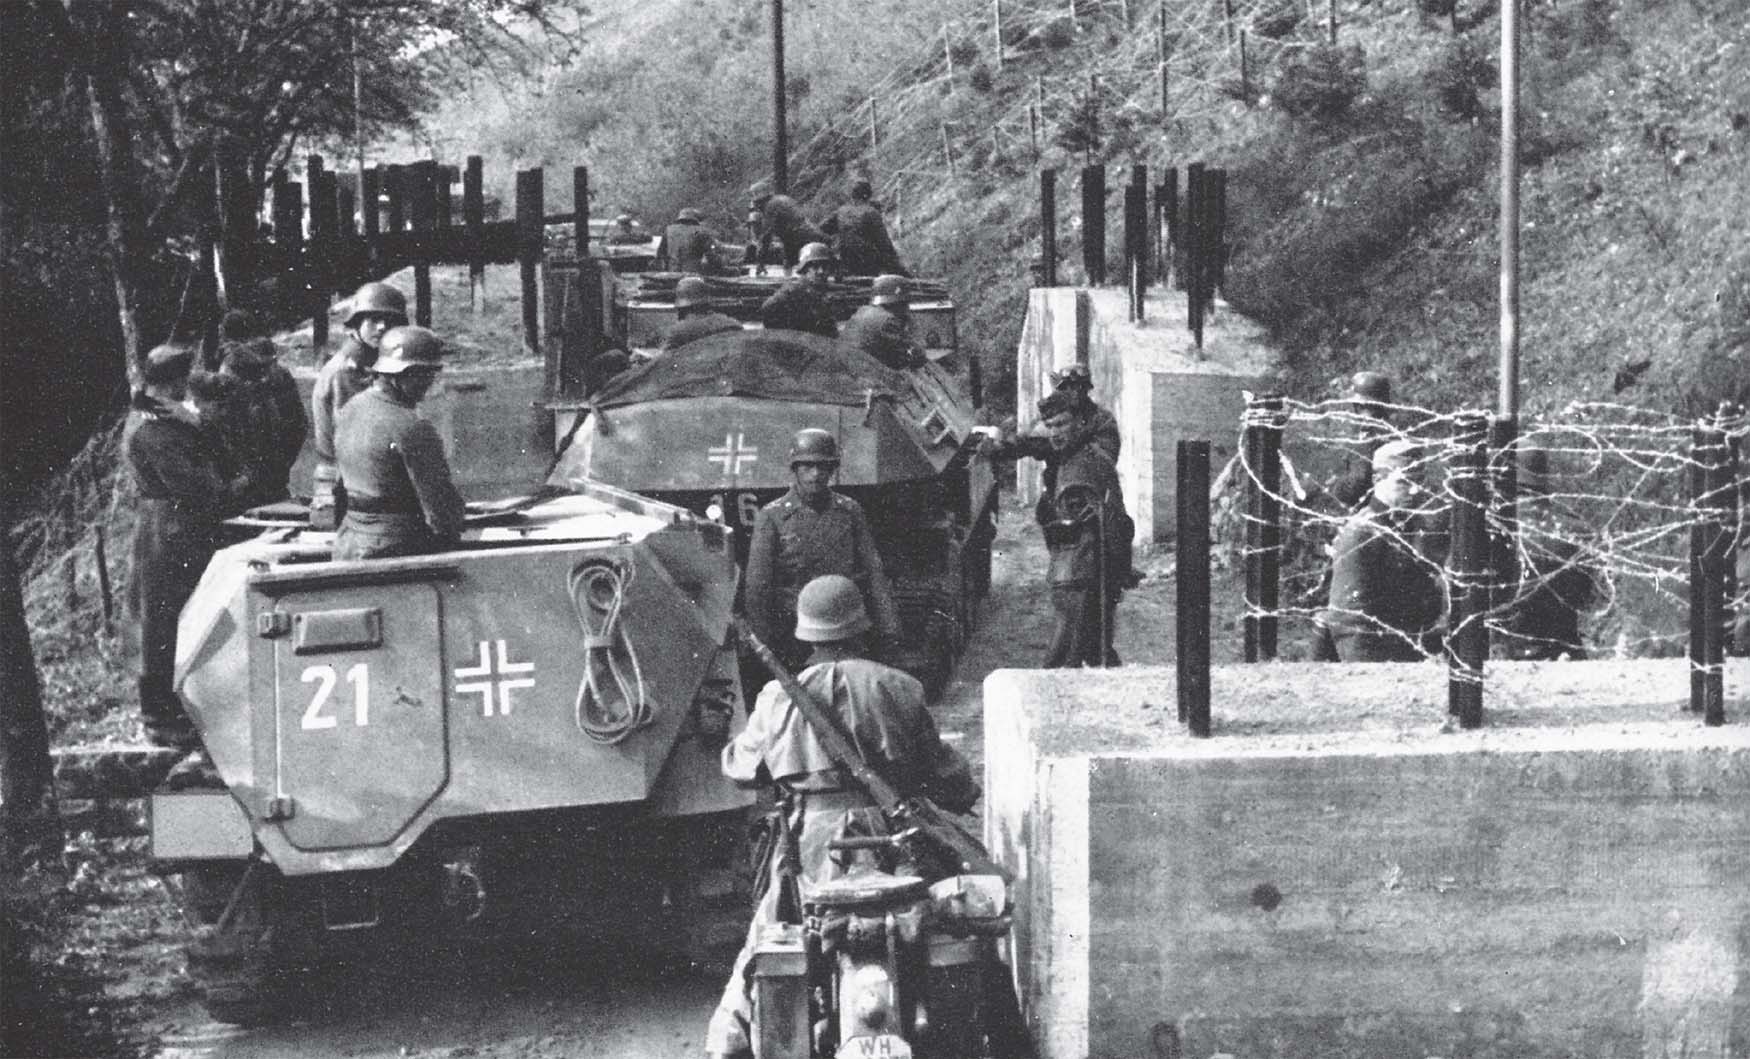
point(125, 233)
point(29, 826)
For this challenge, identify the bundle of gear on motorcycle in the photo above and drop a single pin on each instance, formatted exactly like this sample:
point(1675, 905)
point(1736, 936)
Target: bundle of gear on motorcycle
point(877, 927)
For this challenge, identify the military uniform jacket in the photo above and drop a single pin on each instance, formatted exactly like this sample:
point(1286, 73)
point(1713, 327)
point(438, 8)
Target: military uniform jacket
point(1385, 574)
point(880, 708)
point(882, 334)
point(793, 544)
point(1074, 563)
point(694, 328)
point(782, 220)
point(265, 416)
point(688, 247)
point(799, 306)
point(861, 240)
point(339, 381)
point(392, 463)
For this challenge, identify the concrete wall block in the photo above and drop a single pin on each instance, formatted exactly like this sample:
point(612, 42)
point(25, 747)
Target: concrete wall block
point(1538, 889)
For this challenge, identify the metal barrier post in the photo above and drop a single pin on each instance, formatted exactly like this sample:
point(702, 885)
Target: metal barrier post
point(1048, 226)
point(1192, 586)
point(1467, 570)
point(1094, 224)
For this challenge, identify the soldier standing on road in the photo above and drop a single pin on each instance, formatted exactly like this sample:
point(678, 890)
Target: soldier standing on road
point(401, 499)
point(781, 222)
point(800, 304)
point(263, 415)
point(694, 316)
point(806, 533)
point(1387, 590)
point(376, 307)
point(687, 245)
point(882, 711)
point(860, 235)
point(184, 496)
point(1086, 492)
point(882, 329)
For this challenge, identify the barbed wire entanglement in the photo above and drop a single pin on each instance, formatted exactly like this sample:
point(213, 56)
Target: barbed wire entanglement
point(1162, 63)
point(1594, 558)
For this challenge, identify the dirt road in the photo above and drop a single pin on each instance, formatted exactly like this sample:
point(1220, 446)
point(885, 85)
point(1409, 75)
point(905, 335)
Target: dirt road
point(512, 1004)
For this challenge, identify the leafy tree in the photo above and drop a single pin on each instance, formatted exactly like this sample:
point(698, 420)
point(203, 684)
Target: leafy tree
point(1083, 127)
point(1321, 82)
point(168, 86)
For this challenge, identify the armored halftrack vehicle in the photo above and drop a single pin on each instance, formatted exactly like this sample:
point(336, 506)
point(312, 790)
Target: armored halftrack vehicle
point(525, 726)
point(707, 427)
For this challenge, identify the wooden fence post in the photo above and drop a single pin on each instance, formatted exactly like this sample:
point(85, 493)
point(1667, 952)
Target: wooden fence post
point(874, 127)
point(316, 257)
point(948, 54)
point(1245, 71)
point(948, 150)
point(421, 184)
point(370, 218)
point(1161, 53)
point(1331, 18)
point(473, 216)
point(530, 211)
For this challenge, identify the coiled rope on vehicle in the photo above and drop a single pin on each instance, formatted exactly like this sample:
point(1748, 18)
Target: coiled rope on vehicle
point(609, 706)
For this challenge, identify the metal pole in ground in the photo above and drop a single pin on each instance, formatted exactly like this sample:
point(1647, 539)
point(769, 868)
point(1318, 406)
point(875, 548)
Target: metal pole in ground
point(1094, 224)
point(1268, 485)
point(1504, 500)
point(1722, 519)
point(1467, 570)
point(1192, 581)
point(1695, 472)
point(1251, 455)
point(780, 123)
point(529, 209)
point(474, 218)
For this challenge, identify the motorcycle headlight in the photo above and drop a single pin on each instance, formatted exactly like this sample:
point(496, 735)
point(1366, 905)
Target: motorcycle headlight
point(870, 995)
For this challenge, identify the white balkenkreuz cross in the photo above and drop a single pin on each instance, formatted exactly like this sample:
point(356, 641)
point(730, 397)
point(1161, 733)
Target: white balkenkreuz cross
point(733, 453)
point(499, 678)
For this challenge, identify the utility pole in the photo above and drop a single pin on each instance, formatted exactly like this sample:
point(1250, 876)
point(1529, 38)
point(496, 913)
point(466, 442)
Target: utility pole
point(780, 126)
point(1508, 404)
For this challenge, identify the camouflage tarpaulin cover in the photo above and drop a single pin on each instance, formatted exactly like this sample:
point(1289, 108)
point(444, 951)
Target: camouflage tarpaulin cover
point(774, 365)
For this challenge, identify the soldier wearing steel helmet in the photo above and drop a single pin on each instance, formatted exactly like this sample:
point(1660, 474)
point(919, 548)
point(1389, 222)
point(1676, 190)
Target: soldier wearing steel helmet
point(1083, 513)
point(694, 316)
point(374, 309)
point(625, 232)
point(1367, 424)
point(882, 711)
point(810, 531)
point(800, 304)
point(782, 223)
point(401, 499)
point(882, 329)
point(687, 245)
point(1078, 382)
point(185, 492)
point(860, 235)
point(1387, 590)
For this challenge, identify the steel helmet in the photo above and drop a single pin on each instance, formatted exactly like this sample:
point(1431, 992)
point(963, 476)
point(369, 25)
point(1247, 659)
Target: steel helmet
point(1073, 376)
point(815, 254)
point(1371, 386)
point(888, 290)
point(691, 291)
point(813, 445)
point(378, 298)
point(830, 608)
point(405, 348)
point(689, 216)
point(861, 189)
point(624, 220)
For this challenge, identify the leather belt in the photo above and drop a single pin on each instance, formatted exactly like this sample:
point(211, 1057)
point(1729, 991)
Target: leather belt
point(376, 505)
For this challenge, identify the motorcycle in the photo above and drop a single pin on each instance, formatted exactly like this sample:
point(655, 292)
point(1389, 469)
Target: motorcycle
point(887, 965)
